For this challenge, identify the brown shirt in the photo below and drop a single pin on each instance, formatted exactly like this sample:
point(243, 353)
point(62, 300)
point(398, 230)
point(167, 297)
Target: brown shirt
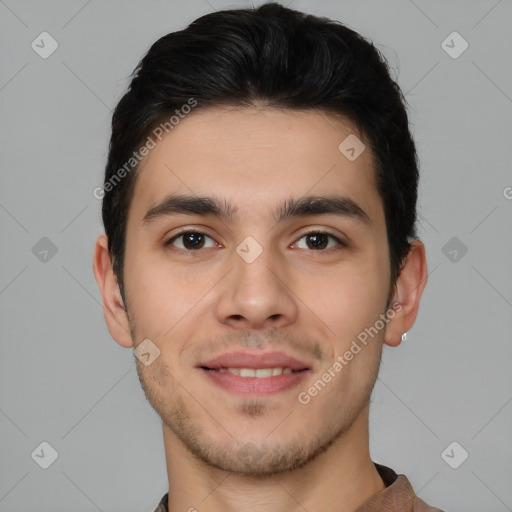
point(398, 496)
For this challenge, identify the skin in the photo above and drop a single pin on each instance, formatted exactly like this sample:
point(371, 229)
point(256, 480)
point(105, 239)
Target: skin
point(310, 303)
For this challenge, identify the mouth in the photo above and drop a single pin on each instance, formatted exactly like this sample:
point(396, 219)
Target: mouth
point(246, 373)
point(258, 373)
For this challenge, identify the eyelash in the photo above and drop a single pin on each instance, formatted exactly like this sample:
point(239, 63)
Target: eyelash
point(313, 232)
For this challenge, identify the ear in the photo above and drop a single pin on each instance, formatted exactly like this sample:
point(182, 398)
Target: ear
point(408, 290)
point(113, 307)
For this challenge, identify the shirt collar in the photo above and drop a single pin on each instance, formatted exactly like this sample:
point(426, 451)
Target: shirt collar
point(398, 496)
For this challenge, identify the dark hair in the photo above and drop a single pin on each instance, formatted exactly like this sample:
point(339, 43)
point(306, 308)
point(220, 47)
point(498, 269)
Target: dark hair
point(278, 57)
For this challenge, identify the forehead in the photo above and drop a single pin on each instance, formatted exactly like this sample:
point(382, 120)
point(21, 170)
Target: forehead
point(257, 157)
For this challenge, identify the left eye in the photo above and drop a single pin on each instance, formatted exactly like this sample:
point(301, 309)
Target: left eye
point(318, 241)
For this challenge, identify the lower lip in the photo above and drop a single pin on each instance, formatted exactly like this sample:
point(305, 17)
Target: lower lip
point(255, 385)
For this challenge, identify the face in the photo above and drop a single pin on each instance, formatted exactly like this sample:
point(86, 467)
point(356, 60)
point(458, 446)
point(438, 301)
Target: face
point(251, 290)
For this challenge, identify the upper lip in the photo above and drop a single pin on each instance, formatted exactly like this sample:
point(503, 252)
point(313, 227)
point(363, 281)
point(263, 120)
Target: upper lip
point(255, 361)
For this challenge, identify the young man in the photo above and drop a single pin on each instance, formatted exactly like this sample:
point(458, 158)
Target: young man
point(259, 208)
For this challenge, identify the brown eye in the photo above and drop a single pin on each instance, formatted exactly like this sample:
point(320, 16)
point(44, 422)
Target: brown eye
point(318, 241)
point(190, 241)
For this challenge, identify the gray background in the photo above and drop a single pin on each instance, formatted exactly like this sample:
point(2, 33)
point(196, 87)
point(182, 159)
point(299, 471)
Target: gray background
point(66, 382)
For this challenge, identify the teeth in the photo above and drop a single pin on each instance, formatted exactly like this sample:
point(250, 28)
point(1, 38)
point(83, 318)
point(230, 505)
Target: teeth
point(260, 373)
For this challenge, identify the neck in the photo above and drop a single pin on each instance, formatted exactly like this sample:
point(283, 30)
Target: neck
point(340, 479)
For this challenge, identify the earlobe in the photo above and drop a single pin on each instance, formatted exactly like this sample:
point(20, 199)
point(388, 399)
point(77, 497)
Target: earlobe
point(114, 309)
point(408, 290)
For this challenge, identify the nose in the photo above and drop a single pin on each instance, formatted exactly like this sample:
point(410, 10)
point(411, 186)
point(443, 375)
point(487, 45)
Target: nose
point(257, 295)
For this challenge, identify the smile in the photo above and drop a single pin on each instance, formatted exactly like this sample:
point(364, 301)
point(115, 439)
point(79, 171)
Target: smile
point(259, 373)
point(255, 382)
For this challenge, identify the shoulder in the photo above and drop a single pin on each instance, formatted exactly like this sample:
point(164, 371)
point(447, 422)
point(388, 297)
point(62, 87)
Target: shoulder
point(162, 506)
point(420, 506)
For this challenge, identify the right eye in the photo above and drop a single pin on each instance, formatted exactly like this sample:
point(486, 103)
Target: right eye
point(190, 241)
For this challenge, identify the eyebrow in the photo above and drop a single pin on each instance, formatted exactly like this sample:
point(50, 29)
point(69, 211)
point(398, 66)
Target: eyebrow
point(308, 205)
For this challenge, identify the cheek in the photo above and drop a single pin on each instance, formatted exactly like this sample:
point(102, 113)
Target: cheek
point(351, 304)
point(161, 296)
point(347, 300)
